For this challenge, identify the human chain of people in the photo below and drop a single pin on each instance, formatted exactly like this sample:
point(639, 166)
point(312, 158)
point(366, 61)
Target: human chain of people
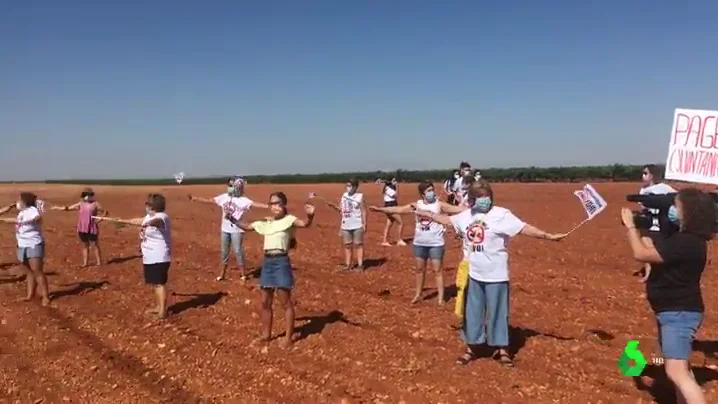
point(672, 268)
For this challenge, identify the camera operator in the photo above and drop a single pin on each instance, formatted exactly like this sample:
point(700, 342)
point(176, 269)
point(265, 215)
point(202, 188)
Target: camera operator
point(673, 282)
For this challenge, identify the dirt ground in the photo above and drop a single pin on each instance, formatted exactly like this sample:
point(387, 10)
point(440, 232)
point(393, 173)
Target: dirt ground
point(574, 305)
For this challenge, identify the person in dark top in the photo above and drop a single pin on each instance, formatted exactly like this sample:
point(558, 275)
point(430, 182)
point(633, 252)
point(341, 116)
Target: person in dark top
point(673, 282)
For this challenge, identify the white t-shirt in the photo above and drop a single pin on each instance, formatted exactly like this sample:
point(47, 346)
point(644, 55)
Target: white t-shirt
point(655, 189)
point(389, 194)
point(236, 206)
point(457, 188)
point(427, 232)
point(350, 206)
point(485, 240)
point(156, 243)
point(30, 234)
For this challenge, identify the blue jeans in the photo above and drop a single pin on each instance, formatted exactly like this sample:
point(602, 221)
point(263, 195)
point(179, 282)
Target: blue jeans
point(233, 240)
point(425, 253)
point(676, 330)
point(489, 302)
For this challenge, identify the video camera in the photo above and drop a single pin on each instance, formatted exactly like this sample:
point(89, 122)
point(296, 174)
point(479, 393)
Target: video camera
point(654, 216)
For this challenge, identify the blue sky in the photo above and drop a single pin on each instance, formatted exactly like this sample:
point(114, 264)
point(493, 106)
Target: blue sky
point(149, 88)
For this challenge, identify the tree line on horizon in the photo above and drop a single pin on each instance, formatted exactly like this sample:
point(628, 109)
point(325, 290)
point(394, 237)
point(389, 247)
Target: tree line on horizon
point(605, 173)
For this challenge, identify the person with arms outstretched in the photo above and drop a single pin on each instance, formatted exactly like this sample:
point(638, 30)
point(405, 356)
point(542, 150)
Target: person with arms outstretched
point(276, 276)
point(233, 203)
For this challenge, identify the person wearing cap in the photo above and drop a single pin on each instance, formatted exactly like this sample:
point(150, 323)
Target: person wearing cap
point(234, 204)
point(87, 226)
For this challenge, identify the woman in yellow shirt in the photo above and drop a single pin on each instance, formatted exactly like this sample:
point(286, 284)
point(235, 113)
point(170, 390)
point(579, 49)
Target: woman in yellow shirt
point(278, 232)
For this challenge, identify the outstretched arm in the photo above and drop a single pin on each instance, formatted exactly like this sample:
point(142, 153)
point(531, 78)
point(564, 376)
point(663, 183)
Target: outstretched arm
point(260, 205)
point(66, 207)
point(406, 209)
point(531, 231)
point(7, 208)
point(35, 219)
point(452, 209)
point(438, 218)
point(201, 200)
point(242, 225)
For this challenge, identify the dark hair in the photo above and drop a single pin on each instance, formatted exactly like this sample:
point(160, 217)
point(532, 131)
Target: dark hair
point(467, 180)
point(283, 200)
point(424, 185)
point(481, 188)
point(698, 214)
point(353, 182)
point(463, 165)
point(87, 192)
point(28, 199)
point(156, 202)
point(655, 172)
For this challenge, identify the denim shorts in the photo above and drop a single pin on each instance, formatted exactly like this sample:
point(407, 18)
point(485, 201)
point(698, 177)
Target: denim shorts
point(25, 253)
point(425, 253)
point(276, 272)
point(676, 330)
point(354, 236)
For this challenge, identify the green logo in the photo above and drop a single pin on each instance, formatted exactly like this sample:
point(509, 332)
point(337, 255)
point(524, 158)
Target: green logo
point(631, 353)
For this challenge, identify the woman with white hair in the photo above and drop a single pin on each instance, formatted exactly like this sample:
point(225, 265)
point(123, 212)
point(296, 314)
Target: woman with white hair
point(233, 203)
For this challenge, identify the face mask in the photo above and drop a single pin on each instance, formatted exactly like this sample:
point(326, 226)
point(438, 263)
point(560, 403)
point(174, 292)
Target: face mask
point(456, 176)
point(18, 206)
point(86, 198)
point(230, 190)
point(147, 210)
point(673, 215)
point(430, 196)
point(350, 190)
point(482, 204)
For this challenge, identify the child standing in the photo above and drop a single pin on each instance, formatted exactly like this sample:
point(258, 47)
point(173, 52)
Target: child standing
point(277, 276)
point(87, 226)
point(235, 204)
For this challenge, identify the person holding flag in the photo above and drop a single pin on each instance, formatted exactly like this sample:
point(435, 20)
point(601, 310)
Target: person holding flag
point(485, 229)
point(233, 203)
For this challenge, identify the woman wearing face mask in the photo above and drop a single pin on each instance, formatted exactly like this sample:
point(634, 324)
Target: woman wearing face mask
point(353, 225)
point(233, 203)
point(673, 282)
point(30, 245)
point(428, 236)
point(278, 232)
point(390, 193)
point(156, 243)
point(486, 229)
point(87, 226)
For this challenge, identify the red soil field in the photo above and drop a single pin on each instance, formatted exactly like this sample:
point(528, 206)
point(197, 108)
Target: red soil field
point(574, 305)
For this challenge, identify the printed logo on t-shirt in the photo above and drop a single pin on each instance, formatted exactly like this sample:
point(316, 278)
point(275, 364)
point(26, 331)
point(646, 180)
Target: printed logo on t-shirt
point(425, 224)
point(475, 235)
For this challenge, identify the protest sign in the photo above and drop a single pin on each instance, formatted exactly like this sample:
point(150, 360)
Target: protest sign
point(693, 148)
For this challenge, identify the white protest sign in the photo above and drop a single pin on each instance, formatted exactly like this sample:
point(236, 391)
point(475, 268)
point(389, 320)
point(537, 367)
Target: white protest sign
point(693, 148)
point(179, 177)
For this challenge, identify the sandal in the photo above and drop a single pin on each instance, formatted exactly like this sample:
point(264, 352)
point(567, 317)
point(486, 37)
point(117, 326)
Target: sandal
point(467, 357)
point(503, 359)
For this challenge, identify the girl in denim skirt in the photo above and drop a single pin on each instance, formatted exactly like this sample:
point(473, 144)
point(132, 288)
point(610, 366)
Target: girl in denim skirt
point(30, 245)
point(278, 232)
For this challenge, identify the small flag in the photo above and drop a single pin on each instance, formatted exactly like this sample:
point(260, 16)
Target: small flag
point(179, 177)
point(591, 201)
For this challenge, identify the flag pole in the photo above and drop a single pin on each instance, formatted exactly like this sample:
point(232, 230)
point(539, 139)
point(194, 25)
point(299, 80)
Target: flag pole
point(577, 226)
